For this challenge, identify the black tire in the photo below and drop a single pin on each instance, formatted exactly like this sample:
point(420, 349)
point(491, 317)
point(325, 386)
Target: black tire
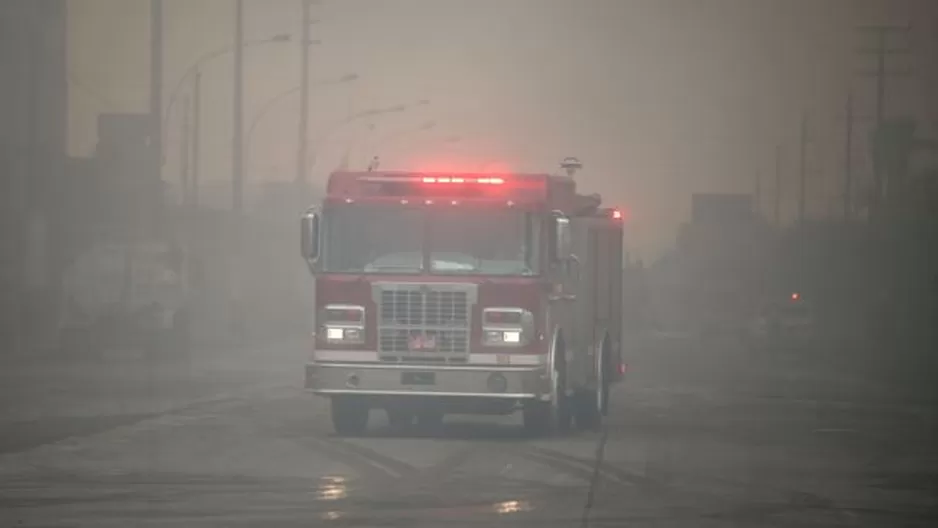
point(349, 416)
point(550, 418)
point(182, 333)
point(429, 419)
point(79, 343)
point(399, 419)
point(173, 342)
point(537, 418)
point(591, 406)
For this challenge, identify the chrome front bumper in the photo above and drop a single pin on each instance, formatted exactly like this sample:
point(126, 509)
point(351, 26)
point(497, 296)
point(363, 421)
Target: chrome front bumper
point(382, 379)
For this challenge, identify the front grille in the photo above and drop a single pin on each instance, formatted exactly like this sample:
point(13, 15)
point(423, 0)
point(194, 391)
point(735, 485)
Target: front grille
point(424, 321)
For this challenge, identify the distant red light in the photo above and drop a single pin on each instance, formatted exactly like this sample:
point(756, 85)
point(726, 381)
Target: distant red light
point(795, 296)
point(617, 214)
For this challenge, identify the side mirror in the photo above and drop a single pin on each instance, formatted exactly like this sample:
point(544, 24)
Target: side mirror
point(309, 236)
point(560, 239)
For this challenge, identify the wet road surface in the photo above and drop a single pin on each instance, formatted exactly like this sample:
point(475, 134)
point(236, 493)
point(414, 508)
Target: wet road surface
point(696, 438)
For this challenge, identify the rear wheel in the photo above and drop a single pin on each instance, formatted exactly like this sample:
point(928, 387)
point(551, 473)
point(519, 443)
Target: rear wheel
point(591, 406)
point(349, 415)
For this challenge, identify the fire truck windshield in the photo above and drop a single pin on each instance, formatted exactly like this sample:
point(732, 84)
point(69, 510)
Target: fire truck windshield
point(491, 242)
point(373, 239)
point(394, 239)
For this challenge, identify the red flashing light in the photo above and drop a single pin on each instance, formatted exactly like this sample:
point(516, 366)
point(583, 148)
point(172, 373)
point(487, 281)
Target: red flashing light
point(795, 296)
point(617, 214)
point(487, 181)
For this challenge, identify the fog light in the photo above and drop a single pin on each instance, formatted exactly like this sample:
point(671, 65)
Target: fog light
point(511, 337)
point(497, 383)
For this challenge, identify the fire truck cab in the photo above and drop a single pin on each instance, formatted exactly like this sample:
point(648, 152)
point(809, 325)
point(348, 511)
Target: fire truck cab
point(463, 293)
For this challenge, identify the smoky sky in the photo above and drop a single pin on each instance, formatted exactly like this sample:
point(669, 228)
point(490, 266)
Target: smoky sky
point(659, 98)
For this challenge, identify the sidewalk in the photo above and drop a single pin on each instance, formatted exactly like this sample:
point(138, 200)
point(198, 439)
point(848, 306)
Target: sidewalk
point(122, 383)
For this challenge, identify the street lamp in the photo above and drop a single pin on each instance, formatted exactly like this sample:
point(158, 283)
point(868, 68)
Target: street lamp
point(202, 60)
point(356, 117)
point(272, 102)
point(429, 125)
point(396, 108)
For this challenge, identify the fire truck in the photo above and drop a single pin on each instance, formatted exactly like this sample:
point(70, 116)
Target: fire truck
point(462, 293)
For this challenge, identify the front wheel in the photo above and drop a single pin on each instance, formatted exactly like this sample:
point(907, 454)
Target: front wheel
point(430, 419)
point(551, 417)
point(399, 419)
point(349, 415)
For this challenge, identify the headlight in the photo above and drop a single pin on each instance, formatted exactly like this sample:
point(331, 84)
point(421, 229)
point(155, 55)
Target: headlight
point(344, 335)
point(506, 327)
point(343, 324)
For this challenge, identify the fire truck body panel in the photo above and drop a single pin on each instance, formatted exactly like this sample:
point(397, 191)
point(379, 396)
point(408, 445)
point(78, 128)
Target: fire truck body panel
point(597, 243)
point(438, 308)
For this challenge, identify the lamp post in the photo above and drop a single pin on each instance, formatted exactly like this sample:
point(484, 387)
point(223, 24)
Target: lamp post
point(394, 109)
point(357, 117)
point(272, 103)
point(197, 66)
point(401, 134)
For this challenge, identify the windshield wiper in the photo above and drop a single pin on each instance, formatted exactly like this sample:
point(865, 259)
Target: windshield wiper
point(393, 267)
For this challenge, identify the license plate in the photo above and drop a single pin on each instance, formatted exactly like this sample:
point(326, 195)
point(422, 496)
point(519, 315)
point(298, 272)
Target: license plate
point(418, 378)
point(421, 342)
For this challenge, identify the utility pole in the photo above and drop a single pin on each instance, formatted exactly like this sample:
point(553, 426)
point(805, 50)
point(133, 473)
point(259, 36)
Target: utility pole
point(237, 156)
point(848, 159)
point(196, 136)
point(881, 51)
point(156, 87)
point(303, 132)
point(758, 196)
point(185, 158)
point(802, 166)
point(778, 186)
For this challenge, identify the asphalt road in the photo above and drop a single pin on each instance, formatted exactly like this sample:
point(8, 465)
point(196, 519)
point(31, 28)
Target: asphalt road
point(699, 436)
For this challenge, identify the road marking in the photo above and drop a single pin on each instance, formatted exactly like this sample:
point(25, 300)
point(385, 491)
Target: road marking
point(823, 431)
point(568, 464)
point(352, 451)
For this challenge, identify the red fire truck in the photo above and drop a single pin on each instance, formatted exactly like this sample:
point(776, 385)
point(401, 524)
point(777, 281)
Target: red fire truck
point(464, 293)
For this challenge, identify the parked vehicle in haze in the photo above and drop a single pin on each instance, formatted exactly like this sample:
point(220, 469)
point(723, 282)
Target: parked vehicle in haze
point(125, 295)
point(783, 322)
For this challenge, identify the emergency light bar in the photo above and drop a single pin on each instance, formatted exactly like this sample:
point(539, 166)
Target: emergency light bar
point(484, 180)
point(436, 185)
point(457, 179)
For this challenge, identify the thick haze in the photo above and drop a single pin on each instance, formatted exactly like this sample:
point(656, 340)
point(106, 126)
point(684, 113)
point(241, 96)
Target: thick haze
point(659, 98)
